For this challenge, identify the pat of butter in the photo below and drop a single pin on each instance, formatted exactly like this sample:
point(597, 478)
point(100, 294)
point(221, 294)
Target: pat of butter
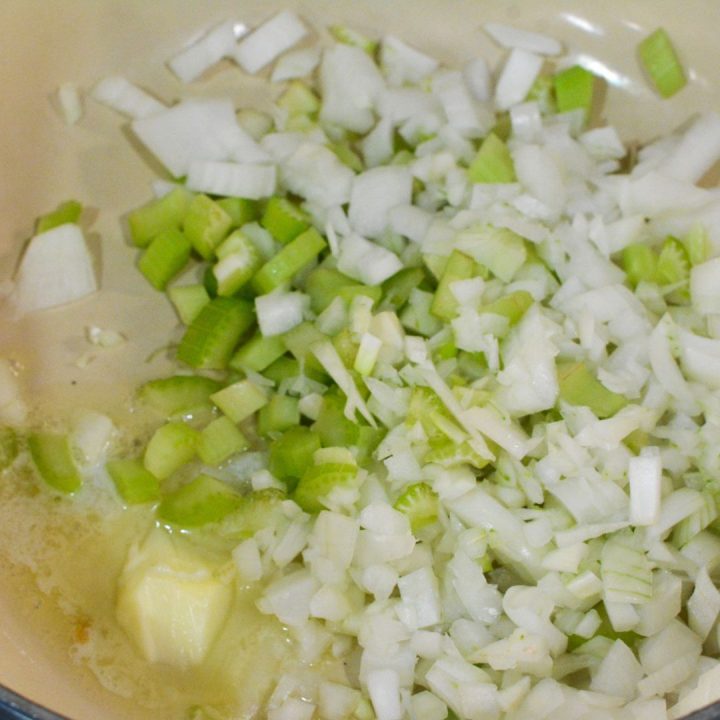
point(171, 601)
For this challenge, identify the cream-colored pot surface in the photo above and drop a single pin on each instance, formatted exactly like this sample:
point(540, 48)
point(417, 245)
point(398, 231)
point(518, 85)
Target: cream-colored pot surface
point(42, 162)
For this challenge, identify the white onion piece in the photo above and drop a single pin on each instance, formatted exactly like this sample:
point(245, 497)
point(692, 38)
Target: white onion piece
point(70, 103)
point(384, 690)
point(374, 193)
point(55, 269)
point(645, 476)
point(404, 64)
point(452, 92)
point(512, 37)
point(232, 179)
point(130, 100)
point(296, 64)
point(705, 287)
point(477, 77)
point(279, 312)
point(197, 130)
point(271, 39)
point(219, 42)
point(517, 77)
point(697, 152)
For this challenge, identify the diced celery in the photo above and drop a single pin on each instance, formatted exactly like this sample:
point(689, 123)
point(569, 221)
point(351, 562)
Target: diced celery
point(240, 210)
point(673, 265)
point(67, 212)
point(493, 163)
point(659, 59)
point(500, 250)
point(178, 395)
point(284, 220)
point(258, 510)
point(165, 213)
point(697, 245)
point(350, 292)
point(206, 224)
point(346, 346)
point(396, 290)
point(236, 267)
point(574, 90)
point(299, 340)
point(640, 263)
point(172, 446)
point(637, 440)
point(323, 285)
point(299, 99)
point(420, 503)
point(283, 368)
point(368, 438)
point(188, 300)
point(219, 440)
point(280, 414)
point(258, 353)
point(448, 453)
point(503, 126)
point(349, 36)
point(9, 447)
point(240, 400)
point(214, 334)
point(134, 483)
point(292, 454)
point(300, 123)
point(347, 156)
point(459, 267)
point(165, 256)
point(541, 92)
point(203, 500)
point(319, 481)
point(209, 282)
point(52, 455)
point(511, 306)
point(332, 426)
point(289, 261)
point(578, 386)
point(416, 315)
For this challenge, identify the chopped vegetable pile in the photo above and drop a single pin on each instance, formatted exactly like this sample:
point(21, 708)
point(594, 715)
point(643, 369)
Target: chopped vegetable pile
point(447, 386)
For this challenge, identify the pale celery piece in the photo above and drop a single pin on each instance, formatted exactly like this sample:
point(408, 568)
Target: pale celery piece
point(172, 446)
point(240, 400)
point(52, 455)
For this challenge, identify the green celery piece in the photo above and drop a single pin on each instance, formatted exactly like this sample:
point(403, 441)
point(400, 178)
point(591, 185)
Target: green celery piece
point(292, 454)
point(258, 353)
point(416, 315)
point(281, 369)
point(637, 440)
point(299, 99)
point(640, 263)
point(284, 220)
point(209, 282)
point(299, 340)
point(500, 250)
point(511, 306)
point(206, 224)
point(323, 285)
point(67, 212)
point(188, 300)
point(202, 501)
point(542, 93)
point(574, 90)
point(318, 481)
point(219, 440)
point(347, 156)
point(301, 123)
point(179, 394)
point(472, 365)
point(578, 386)
point(368, 438)
point(289, 261)
point(333, 428)
point(349, 36)
point(240, 210)
point(133, 482)
point(396, 290)
point(346, 347)
point(9, 447)
point(673, 265)
point(420, 503)
point(280, 414)
point(52, 455)
point(447, 453)
point(240, 400)
point(424, 403)
point(166, 255)
point(493, 163)
point(213, 335)
point(235, 268)
point(459, 267)
point(258, 510)
point(697, 245)
point(165, 213)
point(503, 126)
point(171, 446)
point(661, 63)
